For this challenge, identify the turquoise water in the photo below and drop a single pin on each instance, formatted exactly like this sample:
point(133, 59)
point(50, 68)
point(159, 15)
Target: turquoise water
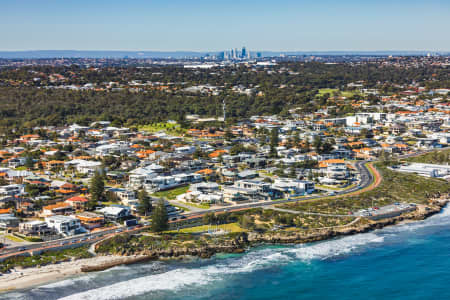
point(410, 261)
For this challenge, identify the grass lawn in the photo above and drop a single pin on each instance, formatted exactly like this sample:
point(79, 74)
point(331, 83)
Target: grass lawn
point(169, 128)
point(198, 205)
point(401, 187)
point(232, 227)
point(326, 91)
point(328, 187)
point(14, 238)
point(171, 194)
point(395, 187)
point(346, 94)
point(107, 203)
point(435, 157)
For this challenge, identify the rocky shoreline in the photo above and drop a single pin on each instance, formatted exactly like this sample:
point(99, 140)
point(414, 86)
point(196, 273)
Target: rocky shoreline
point(246, 240)
point(28, 277)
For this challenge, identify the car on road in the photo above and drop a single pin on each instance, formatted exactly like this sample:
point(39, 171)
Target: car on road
point(119, 230)
point(22, 248)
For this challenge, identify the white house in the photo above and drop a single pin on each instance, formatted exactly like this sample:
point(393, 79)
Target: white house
point(84, 166)
point(185, 150)
point(115, 212)
point(65, 225)
point(293, 186)
point(107, 149)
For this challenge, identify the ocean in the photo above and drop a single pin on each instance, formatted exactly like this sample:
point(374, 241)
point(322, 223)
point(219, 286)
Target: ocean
point(408, 261)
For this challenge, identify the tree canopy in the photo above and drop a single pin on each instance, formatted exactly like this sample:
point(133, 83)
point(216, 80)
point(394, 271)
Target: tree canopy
point(160, 218)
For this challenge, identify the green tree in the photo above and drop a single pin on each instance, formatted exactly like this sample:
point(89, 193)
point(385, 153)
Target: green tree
point(274, 140)
point(247, 222)
point(97, 188)
point(160, 219)
point(228, 135)
point(317, 144)
point(209, 218)
point(296, 140)
point(327, 147)
point(198, 153)
point(29, 163)
point(145, 203)
point(292, 173)
point(112, 197)
point(307, 145)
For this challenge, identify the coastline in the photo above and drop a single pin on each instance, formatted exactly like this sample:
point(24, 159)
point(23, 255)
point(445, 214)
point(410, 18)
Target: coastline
point(22, 278)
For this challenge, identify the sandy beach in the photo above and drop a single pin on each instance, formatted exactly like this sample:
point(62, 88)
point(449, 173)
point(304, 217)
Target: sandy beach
point(24, 278)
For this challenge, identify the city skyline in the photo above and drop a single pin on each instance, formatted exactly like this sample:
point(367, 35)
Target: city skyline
point(211, 26)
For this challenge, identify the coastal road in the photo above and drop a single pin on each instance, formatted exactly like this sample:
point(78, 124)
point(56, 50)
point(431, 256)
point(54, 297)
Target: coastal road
point(365, 184)
point(80, 239)
point(367, 181)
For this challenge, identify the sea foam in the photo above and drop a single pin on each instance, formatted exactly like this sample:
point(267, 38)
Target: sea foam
point(254, 260)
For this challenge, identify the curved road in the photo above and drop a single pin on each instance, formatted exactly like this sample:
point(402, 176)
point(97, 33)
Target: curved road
point(366, 179)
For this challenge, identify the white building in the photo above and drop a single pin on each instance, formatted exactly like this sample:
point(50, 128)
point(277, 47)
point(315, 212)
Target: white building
point(115, 212)
point(293, 186)
point(185, 150)
point(120, 147)
point(427, 170)
point(7, 192)
point(65, 225)
point(84, 166)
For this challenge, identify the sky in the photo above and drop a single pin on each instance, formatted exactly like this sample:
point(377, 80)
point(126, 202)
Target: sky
point(210, 25)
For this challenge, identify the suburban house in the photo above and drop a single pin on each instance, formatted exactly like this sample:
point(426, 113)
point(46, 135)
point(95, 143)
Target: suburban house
point(249, 190)
point(35, 228)
point(116, 212)
point(60, 208)
point(77, 202)
point(8, 221)
point(65, 225)
point(293, 187)
point(84, 166)
point(90, 220)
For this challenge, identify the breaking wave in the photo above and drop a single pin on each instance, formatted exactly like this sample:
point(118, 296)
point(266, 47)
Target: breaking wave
point(336, 248)
point(154, 277)
point(254, 260)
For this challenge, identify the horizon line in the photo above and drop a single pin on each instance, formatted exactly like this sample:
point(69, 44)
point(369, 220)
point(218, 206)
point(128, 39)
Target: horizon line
point(206, 51)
